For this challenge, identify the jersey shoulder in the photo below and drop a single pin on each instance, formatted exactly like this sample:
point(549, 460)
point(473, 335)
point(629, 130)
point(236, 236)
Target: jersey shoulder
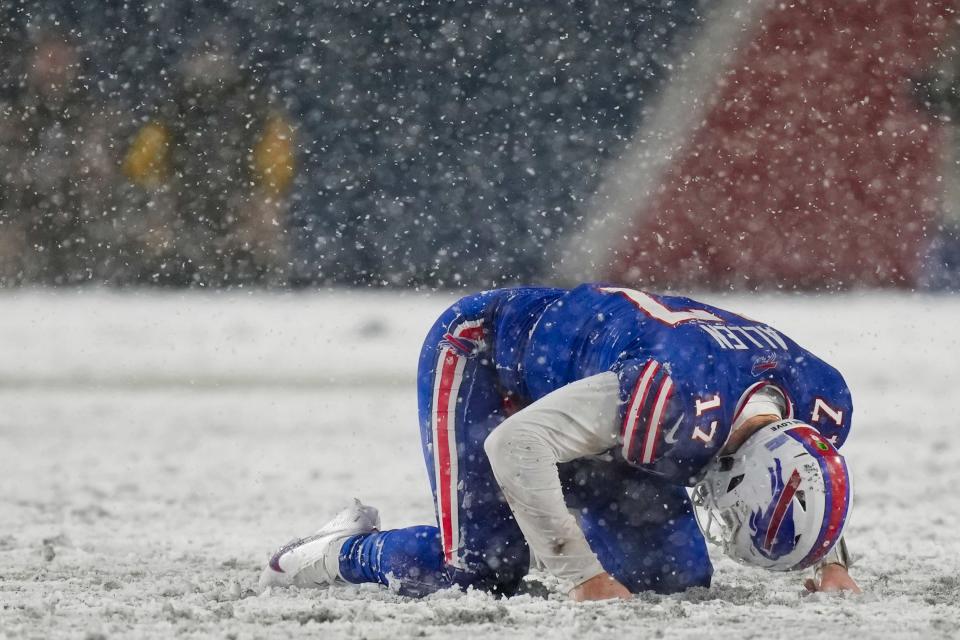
point(817, 394)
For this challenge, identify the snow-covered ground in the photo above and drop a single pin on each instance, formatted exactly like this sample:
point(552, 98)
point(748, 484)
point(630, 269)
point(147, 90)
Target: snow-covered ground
point(155, 448)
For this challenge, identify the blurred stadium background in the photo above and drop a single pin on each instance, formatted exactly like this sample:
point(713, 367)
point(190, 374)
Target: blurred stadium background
point(659, 143)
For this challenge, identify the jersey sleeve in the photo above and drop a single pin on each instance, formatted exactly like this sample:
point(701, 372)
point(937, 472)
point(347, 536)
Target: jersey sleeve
point(653, 421)
point(820, 397)
point(646, 405)
point(828, 407)
point(660, 430)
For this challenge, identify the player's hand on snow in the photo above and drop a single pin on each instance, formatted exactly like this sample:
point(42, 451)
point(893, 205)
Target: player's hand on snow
point(833, 577)
point(600, 587)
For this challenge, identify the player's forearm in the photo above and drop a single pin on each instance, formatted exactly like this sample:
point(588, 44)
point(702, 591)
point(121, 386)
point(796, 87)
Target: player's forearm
point(577, 420)
point(526, 469)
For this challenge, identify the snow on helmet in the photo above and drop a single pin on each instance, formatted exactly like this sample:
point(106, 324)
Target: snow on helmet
point(779, 502)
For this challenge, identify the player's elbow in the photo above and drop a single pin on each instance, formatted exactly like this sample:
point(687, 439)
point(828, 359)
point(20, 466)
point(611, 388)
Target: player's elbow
point(504, 448)
point(515, 447)
point(496, 447)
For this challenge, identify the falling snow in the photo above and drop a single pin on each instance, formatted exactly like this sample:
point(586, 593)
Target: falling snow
point(225, 226)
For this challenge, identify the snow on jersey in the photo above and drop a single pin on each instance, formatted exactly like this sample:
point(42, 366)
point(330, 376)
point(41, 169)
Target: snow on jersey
point(686, 370)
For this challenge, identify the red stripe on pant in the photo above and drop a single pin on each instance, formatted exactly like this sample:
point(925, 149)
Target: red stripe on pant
point(449, 368)
point(446, 494)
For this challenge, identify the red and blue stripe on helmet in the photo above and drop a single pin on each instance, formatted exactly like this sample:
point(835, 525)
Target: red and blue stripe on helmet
point(836, 491)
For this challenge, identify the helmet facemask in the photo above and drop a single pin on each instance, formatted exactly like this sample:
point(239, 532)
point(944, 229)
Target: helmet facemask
point(718, 524)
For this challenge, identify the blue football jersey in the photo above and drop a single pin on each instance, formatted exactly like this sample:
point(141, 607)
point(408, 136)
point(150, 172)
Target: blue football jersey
point(686, 368)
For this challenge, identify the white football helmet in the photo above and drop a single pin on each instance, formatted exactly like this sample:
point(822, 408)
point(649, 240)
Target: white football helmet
point(779, 502)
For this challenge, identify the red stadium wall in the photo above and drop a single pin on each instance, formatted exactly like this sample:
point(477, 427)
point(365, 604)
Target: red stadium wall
point(814, 166)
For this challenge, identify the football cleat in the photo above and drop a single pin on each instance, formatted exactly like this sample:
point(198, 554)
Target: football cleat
point(779, 502)
point(314, 561)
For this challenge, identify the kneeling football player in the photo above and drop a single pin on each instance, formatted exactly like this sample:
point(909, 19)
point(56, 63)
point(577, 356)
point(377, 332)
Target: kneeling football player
point(567, 426)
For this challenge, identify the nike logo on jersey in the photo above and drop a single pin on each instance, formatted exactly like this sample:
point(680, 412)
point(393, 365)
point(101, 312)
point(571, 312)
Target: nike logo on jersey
point(671, 436)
